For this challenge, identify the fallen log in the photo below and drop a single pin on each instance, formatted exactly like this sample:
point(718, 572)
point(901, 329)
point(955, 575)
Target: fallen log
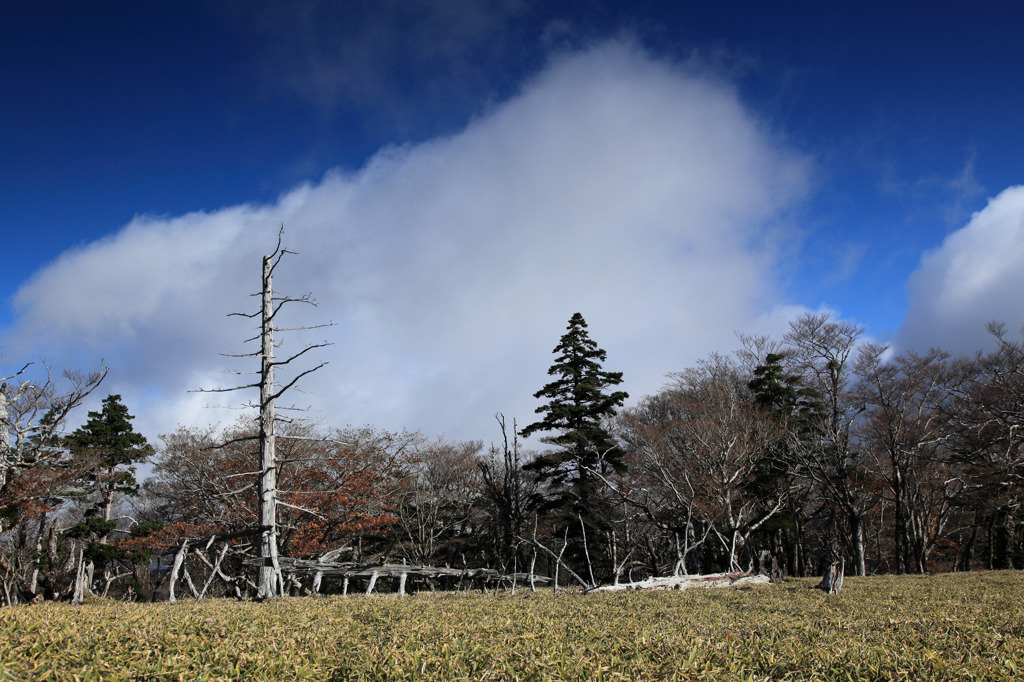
point(320, 569)
point(685, 582)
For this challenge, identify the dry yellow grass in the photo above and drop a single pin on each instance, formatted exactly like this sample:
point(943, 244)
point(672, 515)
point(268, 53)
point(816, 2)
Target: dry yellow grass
point(966, 626)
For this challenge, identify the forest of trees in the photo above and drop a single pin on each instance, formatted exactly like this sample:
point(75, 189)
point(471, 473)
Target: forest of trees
point(812, 447)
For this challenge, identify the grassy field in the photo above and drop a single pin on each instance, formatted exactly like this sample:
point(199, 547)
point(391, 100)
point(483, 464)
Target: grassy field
point(964, 626)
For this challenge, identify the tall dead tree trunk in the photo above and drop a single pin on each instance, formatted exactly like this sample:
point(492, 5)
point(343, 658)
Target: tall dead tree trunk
point(270, 572)
point(270, 582)
point(5, 430)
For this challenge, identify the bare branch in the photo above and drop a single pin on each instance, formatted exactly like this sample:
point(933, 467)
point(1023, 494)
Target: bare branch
point(300, 329)
point(292, 382)
point(302, 509)
point(223, 390)
point(279, 363)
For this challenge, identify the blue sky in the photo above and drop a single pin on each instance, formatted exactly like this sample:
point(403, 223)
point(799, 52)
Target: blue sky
point(459, 178)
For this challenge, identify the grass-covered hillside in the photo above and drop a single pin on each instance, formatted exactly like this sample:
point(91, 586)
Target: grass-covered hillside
point(960, 626)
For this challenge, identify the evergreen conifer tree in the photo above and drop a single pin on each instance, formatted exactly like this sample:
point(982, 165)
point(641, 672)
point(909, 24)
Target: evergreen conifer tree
point(577, 403)
point(795, 408)
point(108, 448)
point(784, 396)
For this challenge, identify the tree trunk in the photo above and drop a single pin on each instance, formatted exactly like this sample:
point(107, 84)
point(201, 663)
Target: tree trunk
point(900, 550)
point(34, 583)
point(966, 553)
point(78, 595)
point(832, 580)
point(5, 438)
point(533, 565)
point(685, 582)
point(857, 544)
point(270, 571)
point(179, 559)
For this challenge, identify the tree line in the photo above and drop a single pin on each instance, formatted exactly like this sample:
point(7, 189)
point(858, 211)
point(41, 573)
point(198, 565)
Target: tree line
point(807, 448)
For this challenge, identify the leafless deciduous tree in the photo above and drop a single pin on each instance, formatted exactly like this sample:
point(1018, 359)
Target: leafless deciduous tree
point(904, 434)
point(987, 431)
point(508, 490)
point(438, 501)
point(823, 351)
point(32, 412)
point(700, 448)
point(34, 471)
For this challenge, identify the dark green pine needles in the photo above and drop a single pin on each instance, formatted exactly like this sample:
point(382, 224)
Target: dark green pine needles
point(577, 403)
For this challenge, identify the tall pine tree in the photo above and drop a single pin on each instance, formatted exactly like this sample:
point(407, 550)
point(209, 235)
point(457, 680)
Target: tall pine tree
point(578, 401)
point(108, 448)
point(795, 408)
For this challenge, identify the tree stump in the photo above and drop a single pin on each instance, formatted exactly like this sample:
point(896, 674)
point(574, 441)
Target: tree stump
point(832, 580)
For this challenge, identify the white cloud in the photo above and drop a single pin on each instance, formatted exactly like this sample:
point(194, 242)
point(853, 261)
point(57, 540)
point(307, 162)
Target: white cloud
point(973, 278)
point(631, 190)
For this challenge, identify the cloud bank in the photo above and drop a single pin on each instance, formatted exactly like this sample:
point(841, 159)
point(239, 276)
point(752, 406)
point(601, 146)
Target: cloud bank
point(973, 278)
point(638, 192)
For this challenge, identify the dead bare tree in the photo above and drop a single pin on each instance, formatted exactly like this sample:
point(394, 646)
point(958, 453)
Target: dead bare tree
point(507, 493)
point(271, 582)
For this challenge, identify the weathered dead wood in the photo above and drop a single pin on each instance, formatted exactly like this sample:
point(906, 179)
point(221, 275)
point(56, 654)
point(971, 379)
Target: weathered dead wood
point(770, 567)
point(110, 579)
point(353, 570)
point(558, 562)
point(78, 595)
point(182, 550)
point(214, 569)
point(208, 540)
point(685, 582)
point(526, 578)
point(188, 581)
point(271, 580)
point(832, 580)
point(179, 559)
point(320, 569)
